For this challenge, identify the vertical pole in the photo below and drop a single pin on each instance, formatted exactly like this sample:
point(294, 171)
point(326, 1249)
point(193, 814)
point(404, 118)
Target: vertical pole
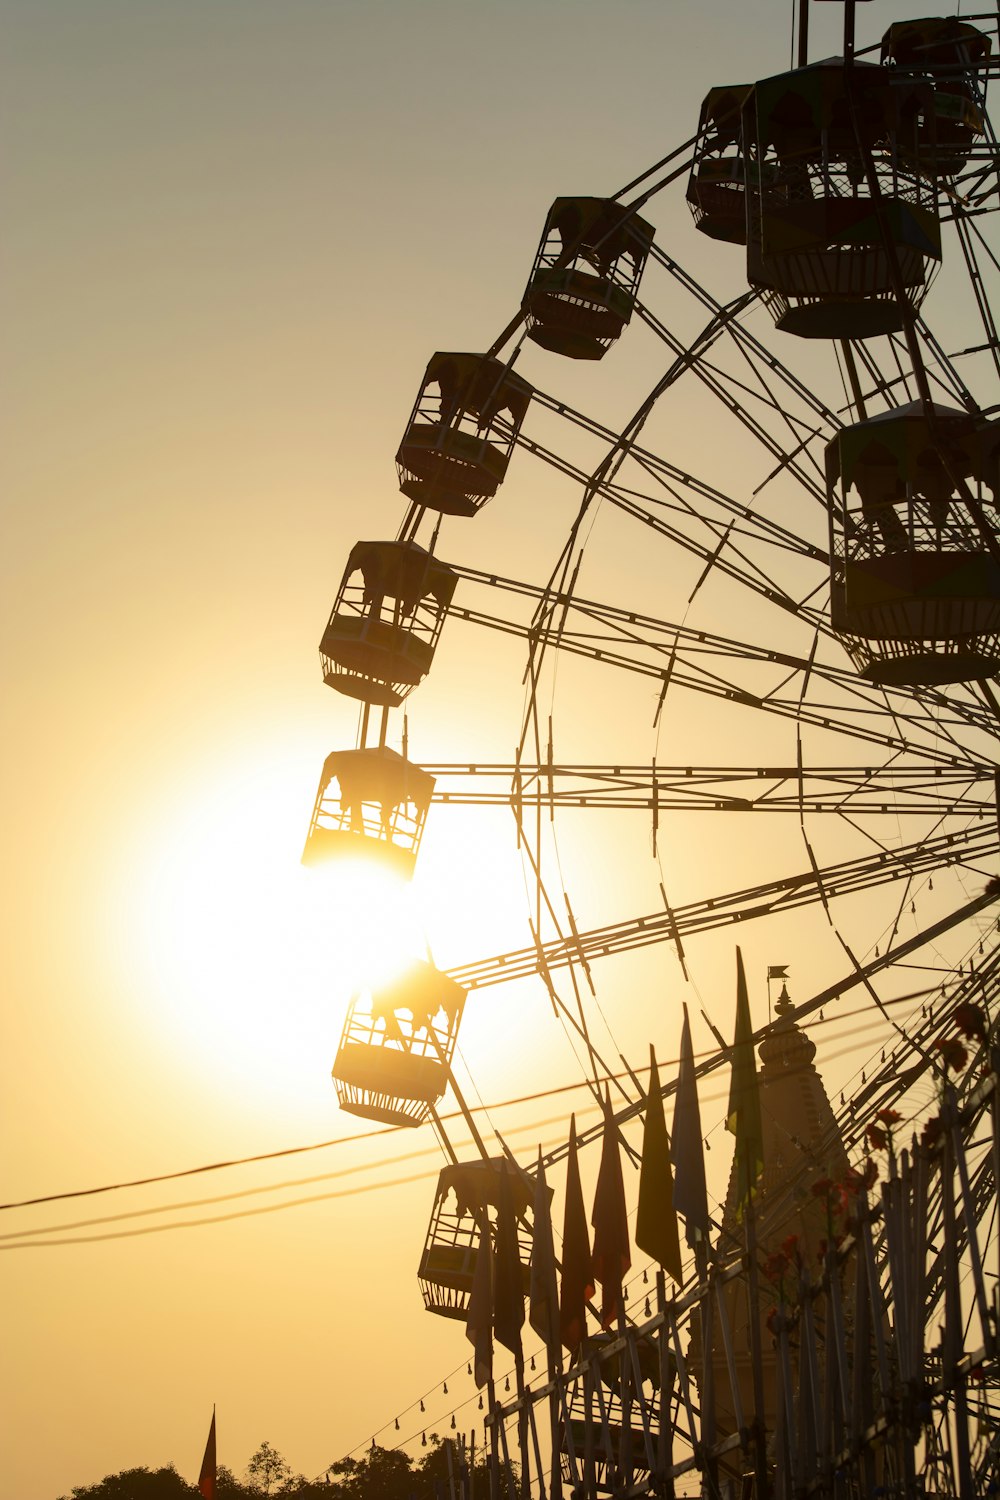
point(449, 1455)
point(952, 1375)
point(707, 1320)
point(494, 1417)
point(589, 1466)
point(555, 1376)
point(756, 1354)
point(995, 1120)
point(536, 1447)
point(849, 31)
point(625, 1387)
point(665, 1461)
point(803, 52)
point(522, 1428)
point(363, 737)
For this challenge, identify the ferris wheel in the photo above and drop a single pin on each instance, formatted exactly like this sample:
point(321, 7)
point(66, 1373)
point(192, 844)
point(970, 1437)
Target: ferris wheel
point(846, 612)
point(821, 645)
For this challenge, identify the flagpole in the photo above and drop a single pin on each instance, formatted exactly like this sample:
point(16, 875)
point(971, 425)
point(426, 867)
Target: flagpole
point(707, 1366)
point(665, 1462)
point(491, 1398)
point(555, 1379)
point(522, 1427)
point(756, 1352)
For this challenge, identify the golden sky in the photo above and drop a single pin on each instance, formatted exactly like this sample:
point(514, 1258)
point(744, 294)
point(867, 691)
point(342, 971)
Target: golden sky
point(234, 233)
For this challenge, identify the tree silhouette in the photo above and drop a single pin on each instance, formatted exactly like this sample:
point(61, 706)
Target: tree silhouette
point(268, 1471)
point(391, 1474)
point(383, 1474)
point(138, 1484)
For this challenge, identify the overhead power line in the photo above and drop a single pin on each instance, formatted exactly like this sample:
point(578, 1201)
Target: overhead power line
point(364, 1135)
point(23, 1239)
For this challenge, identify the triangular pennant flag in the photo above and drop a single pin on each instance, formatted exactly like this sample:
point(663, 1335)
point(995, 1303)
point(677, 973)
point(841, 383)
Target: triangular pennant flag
point(508, 1292)
point(577, 1286)
point(479, 1322)
point(743, 1118)
point(543, 1301)
point(690, 1194)
point(612, 1255)
point(656, 1220)
point(207, 1477)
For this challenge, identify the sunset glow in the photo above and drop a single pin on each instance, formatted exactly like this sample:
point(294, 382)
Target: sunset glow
point(573, 660)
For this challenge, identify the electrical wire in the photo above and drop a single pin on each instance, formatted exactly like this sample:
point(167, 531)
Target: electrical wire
point(21, 1239)
point(364, 1135)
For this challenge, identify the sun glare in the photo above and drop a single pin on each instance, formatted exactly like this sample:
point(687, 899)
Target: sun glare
point(256, 958)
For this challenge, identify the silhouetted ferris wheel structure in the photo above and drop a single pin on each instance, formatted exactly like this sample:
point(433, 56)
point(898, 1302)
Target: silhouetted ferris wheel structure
point(865, 570)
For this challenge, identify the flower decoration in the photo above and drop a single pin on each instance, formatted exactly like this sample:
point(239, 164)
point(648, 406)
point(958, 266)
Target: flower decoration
point(953, 1054)
point(775, 1266)
point(970, 1021)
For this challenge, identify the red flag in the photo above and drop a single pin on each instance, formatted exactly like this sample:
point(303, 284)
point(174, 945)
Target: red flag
point(206, 1479)
point(577, 1285)
point(612, 1255)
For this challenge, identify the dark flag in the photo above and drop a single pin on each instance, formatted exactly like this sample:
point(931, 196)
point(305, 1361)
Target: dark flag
point(479, 1323)
point(508, 1291)
point(777, 971)
point(656, 1220)
point(743, 1118)
point(543, 1299)
point(206, 1479)
point(690, 1194)
point(612, 1254)
point(577, 1286)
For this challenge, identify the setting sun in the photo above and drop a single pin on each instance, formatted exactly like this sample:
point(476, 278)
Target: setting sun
point(503, 558)
point(257, 957)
